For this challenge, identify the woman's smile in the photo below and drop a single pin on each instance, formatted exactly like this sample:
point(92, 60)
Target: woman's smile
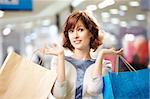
point(77, 41)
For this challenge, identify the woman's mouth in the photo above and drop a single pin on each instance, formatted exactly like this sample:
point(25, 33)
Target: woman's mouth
point(77, 41)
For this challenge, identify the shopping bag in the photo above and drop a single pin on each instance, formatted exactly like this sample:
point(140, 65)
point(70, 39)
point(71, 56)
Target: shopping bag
point(22, 79)
point(127, 85)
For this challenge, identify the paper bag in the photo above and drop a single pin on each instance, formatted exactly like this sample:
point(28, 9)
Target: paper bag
point(127, 85)
point(22, 79)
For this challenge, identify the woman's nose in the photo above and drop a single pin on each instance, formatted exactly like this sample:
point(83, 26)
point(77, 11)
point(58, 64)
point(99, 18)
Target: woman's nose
point(76, 34)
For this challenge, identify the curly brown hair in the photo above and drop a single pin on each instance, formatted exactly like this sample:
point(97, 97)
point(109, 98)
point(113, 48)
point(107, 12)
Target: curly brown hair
point(89, 24)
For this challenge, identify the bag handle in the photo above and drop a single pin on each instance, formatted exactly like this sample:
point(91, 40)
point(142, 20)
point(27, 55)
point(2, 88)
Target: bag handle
point(127, 63)
point(34, 52)
point(117, 66)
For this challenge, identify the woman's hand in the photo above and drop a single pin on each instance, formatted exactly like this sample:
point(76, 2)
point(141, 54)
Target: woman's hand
point(98, 63)
point(52, 49)
point(57, 50)
point(111, 51)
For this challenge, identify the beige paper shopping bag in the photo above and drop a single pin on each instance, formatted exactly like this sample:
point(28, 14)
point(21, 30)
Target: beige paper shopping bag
point(22, 79)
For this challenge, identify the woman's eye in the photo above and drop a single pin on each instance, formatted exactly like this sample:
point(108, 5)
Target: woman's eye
point(80, 29)
point(70, 31)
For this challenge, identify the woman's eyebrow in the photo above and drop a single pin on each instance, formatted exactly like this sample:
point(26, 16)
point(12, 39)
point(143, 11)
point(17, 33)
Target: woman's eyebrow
point(79, 26)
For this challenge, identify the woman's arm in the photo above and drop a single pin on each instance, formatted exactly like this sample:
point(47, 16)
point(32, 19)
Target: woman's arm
point(59, 89)
point(61, 68)
point(98, 65)
point(95, 82)
point(58, 51)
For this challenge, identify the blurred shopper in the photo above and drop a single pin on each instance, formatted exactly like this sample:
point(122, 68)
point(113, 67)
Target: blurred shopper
point(79, 76)
point(141, 56)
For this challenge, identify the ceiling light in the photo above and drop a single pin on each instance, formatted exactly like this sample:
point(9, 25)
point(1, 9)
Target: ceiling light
point(105, 14)
point(140, 17)
point(134, 3)
point(106, 3)
point(114, 20)
point(123, 7)
point(114, 11)
point(91, 7)
point(123, 23)
point(6, 31)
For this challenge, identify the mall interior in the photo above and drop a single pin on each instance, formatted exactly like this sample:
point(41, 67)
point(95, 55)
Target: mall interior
point(29, 25)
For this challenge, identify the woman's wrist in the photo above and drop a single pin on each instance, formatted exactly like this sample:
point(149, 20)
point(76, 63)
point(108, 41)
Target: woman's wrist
point(61, 68)
point(100, 57)
point(98, 68)
point(61, 53)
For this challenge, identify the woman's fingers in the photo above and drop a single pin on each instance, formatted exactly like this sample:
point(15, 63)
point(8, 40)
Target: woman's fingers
point(53, 45)
point(113, 48)
point(52, 49)
point(46, 50)
point(120, 51)
point(113, 51)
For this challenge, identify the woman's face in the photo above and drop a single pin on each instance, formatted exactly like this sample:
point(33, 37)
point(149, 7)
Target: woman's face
point(80, 36)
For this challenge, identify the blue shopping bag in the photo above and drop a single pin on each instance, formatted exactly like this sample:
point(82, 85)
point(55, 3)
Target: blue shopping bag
point(127, 85)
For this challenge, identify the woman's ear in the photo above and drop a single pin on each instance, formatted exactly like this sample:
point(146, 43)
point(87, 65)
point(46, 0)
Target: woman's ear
point(91, 36)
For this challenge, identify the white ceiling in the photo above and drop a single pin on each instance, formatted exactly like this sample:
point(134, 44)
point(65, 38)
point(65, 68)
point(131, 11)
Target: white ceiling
point(49, 8)
point(41, 8)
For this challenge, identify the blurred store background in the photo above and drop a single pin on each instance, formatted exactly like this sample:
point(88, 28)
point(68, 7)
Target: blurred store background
point(26, 25)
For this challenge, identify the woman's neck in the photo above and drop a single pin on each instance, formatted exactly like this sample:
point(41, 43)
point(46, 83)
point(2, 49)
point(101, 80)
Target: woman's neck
point(82, 54)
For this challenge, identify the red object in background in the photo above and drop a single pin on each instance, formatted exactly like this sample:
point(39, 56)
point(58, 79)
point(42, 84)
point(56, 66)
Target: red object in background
point(149, 47)
point(141, 56)
point(112, 58)
point(142, 51)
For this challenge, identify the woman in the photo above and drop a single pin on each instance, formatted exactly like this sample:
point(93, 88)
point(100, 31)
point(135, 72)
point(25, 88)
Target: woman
point(79, 76)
